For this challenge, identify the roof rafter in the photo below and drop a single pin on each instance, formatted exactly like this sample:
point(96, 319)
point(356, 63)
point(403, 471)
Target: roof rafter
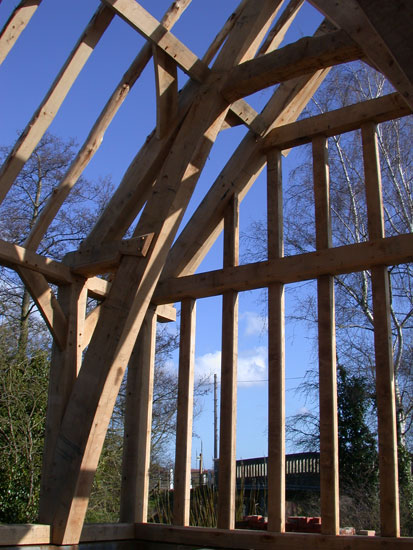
point(304, 56)
point(382, 29)
point(15, 25)
point(46, 112)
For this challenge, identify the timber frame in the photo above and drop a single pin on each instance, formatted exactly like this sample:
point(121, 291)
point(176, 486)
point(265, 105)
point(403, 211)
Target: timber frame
point(156, 266)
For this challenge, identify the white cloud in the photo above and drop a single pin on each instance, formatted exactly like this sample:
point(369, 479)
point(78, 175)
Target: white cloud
point(252, 365)
point(208, 364)
point(253, 323)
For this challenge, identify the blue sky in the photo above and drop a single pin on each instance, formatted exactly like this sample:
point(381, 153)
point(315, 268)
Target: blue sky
point(25, 77)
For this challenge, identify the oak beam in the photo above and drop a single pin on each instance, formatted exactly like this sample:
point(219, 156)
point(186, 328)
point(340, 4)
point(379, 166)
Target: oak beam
point(47, 304)
point(166, 79)
point(223, 33)
point(338, 121)
point(19, 258)
point(91, 321)
point(98, 288)
point(47, 110)
point(184, 416)
point(96, 388)
point(15, 25)
point(96, 134)
point(165, 314)
point(303, 57)
point(22, 534)
point(64, 369)
point(329, 495)
point(385, 377)
point(15, 256)
point(101, 532)
point(277, 34)
point(246, 539)
point(137, 183)
point(150, 28)
point(229, 363)
point(238, 175)
point(196, 68)
point(106, 257)
point(383, 31)
point(276, 350)
point(290, 269)
point(138, 424)
point(95, 391)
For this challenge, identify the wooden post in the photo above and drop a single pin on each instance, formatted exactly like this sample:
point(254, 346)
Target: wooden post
point(138, 425)
point(326, 349)
point(64, 369)
point(276, 352)
point(228, 408)
point(385, 390)
point(182, 492)
point(96, 389)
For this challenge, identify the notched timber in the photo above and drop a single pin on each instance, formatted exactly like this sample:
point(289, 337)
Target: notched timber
point(151, 29)
point(165, 313)
point(15, 256)
point(304, 56)
point(291, 269)
point(242, 113)
point(98, 288)
point(106, 257)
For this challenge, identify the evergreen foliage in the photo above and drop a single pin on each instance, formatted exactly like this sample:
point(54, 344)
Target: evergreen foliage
point(358, 459)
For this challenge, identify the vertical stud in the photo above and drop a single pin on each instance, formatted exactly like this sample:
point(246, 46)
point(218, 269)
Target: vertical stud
point(385, 394)
point(182, 493)
point(138, 424)
point(228, 408)
point(276, 351)
point(326, 348)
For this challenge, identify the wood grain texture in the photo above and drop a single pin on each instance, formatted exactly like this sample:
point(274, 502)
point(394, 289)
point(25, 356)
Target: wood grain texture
point(138, 424)
point(15, 25)
point(245, 539)
point(64, 369)
point(96, 134)
point(229, 360)
point(337, 121)
point(387, 46)
point(303, 57)
point(329, 494)
point(276, 351)
point(182, 478)
point(385, 383)
point(291, 269)
point(47, 110)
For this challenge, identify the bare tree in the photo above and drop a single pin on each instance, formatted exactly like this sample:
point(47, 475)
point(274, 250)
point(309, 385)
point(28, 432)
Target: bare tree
point(354, 311)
